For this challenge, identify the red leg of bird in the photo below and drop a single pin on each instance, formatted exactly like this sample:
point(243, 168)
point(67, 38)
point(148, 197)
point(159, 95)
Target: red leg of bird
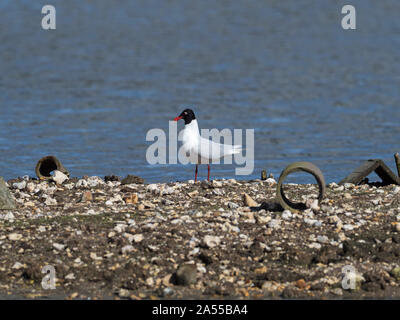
point(195, 174)
point(208, 177)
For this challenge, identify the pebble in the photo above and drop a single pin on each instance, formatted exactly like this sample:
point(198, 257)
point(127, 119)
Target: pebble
point(123, 293)
point(348, 227)
point(337, 291)
point(138, 238)
point(58, 246)
point(347, 196)
point(186, 275)
point(95, 181)
point(211, 241)
point(274, 223)
point(17, 266)
point(14, 236)
point(287, 215)
point(396, 190)
point(50, 201)
point(232, 205)
point(19, 185)
point(87, 196)
point(323, 239)
point(248, 201)
point(70, 276)
point(59, 177)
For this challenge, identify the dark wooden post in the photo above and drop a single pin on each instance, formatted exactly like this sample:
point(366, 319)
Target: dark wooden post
point(397, 159)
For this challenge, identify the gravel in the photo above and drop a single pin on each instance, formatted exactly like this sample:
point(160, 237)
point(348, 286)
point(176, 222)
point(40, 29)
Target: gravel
point(227, 239)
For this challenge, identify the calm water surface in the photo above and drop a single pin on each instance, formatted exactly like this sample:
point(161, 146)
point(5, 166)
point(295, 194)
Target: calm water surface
point(89, 91)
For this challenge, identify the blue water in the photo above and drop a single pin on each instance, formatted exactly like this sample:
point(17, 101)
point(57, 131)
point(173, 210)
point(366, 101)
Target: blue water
point(89, 91)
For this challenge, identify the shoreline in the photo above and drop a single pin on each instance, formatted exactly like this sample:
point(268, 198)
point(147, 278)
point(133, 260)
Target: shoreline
point(108, 240)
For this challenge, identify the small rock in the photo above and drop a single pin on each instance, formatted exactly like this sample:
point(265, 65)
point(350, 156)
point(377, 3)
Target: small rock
point(337, 291)
point(322, 239)
point(232, 205)
point(58, 246)
point(248, 201)
point(396, 190)
point(150, 282)
point(59, 177)
point(126, 249)
point(137, 237)
point(287, 215)
point(50, 201)
point(94, 181)
point(123, 293)
point(14, 236)
point(211, 241)
point(70, 276)
point(168, 291)
point(186, 275)
point(268, 286)
point(19, 185)
point(301, 284)
point(274, 223)
point(131, 199)
point(270, 181)
point(348, 227)
point(17, 266)
point(395, 273)
point(87, 196)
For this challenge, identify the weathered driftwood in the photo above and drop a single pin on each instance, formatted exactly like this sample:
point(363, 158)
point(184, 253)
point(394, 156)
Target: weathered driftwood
point(397, 160)
point(377, 165)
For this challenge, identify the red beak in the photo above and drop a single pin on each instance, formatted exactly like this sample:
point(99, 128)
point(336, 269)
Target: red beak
point(178, 118)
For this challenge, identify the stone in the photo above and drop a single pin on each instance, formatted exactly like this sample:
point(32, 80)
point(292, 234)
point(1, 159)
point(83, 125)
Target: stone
point(131, 179)
point(50, 201)
point(94, 181)
point(19, 185)
point(59, 177)
point(70, 276)
point(232, 205)
point(186, 275)
point(14, 236)
point(17, 266)
point(270, 181)
point(248, 201)
point(337, 291)
point(87, 196)
point(274, 223)
point(137, 237)
point(123, 293)
point(322, 239)
point(126, 249)
point(287, 215)
point(211, 241)
point(131, 199)
point(395, 273)
point(348, 227)
point(58, 246)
